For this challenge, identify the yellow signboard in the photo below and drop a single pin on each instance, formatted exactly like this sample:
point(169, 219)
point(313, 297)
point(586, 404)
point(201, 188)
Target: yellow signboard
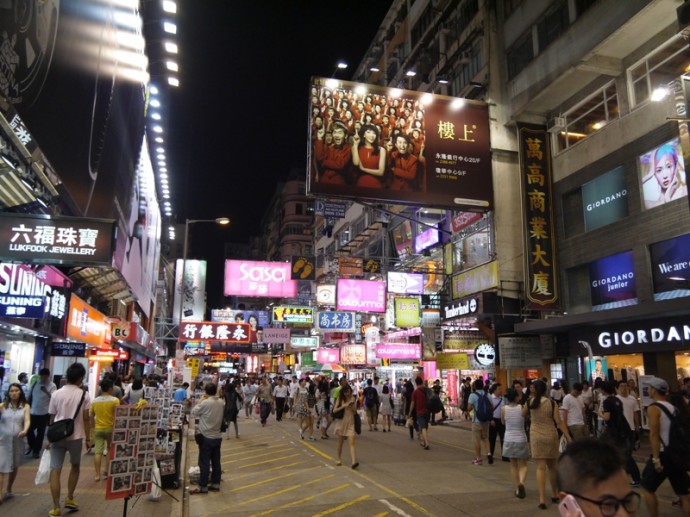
point(195, 364)
point(446, 361)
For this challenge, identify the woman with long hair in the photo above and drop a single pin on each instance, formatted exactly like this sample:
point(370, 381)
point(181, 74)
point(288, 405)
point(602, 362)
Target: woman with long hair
point(15, 420)
point(233, 402)
point(515, 445)
point(368, 157)
point(303, 411)
point(544, 439)
point(408, 390)
point(345, 426)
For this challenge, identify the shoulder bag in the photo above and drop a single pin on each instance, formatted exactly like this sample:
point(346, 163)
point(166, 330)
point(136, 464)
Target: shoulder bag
point(64, 428)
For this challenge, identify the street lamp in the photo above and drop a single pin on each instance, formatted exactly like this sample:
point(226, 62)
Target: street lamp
point(223, 221)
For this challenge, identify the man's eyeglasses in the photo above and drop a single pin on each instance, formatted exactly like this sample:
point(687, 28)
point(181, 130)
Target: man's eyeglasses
point(609, 505)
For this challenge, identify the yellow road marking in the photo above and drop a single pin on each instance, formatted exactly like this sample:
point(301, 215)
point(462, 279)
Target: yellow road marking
point(255, 456)
point(318, 451)
point(266, 470)
point(249, 451)
point(285, 490)
point(282, 476)
point(393, 493)
point(300, 501)
point(341, 507)
point(267, 461)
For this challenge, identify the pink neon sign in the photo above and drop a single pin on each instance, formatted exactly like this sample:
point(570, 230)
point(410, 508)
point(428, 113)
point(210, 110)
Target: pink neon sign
point(251, 278)
point(327, 355)
point(361, 295)
point(399, 350)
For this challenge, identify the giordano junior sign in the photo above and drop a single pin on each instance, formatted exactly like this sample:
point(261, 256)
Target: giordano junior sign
point(654, 336)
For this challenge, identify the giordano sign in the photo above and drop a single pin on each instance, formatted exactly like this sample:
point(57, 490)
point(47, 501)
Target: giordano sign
point(640, 336)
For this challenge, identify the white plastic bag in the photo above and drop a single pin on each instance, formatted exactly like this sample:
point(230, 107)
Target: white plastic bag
point(562, 444)
point(155, 494)
point(43, 473)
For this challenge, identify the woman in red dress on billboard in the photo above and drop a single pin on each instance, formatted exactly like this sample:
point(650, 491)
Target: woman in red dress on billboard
point(332, 161)
point(368, 157)
point(404, 166)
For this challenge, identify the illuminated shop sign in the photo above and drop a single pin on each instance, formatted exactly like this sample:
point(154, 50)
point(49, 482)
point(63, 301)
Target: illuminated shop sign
point(272, 335)
point(361, 295)
point(461, 308)
point(325, 294)
point(259, 279)
point(662, 174)
point(671, 267)
point(335, 321)
point(67, 349)
point(304, 342)
point(56, 239)
point(425, 240)
point(327, 355)
point(405, 283)
point(213, 331)
point(411, 351)
point(605, 199)
point(407, 312)
point(293, 314)
point(535, 169)
point(87, 324)
point(612, 281)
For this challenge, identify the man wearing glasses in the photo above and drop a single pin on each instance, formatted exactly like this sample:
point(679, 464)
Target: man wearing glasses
point(592, 481)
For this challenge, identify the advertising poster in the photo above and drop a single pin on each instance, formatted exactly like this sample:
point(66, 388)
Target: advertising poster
point(662, 174)
point(404, 147)
point(612, 281)
point(325, 294)
point(596, 368)
point(190, 290)
point(671, 267)
point(403, 239)
point(405, 283)
point(407, 312)
point(303, 267)
point(605, 199)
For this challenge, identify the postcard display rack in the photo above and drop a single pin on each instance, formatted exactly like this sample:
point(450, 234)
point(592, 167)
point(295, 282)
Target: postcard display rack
point(145, 440)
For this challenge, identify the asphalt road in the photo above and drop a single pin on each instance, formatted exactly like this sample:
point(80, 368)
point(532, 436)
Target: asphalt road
point(270, 470)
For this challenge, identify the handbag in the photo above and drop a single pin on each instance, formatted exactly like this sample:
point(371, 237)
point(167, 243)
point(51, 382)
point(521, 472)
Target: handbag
point(358, 423)
point(64, 428)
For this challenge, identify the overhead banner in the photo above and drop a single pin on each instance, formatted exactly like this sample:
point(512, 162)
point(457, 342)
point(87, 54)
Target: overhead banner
point(87, 325)
point(212, 331)
point(439, 155)
point(48, 239)
point(535, 168)
point(295, 315)
point(452, 361)
point(259, 279)
point(361, 295)
point(303, 267)
point(405, 283)
point(335, 321)
point(190, 290)
point(407, 312)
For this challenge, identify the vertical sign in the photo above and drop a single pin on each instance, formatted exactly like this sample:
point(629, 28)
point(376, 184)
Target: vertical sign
point(535, 168)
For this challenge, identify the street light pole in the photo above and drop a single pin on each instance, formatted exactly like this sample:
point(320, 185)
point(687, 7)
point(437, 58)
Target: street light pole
point(223, 221)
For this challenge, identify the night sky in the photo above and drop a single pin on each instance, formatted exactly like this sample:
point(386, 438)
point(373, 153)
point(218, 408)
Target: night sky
point(238, 123)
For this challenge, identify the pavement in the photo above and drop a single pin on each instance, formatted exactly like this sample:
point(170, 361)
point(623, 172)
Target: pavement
point(270, 470)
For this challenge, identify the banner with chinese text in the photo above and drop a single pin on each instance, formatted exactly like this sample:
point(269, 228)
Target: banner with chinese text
point(541, 284)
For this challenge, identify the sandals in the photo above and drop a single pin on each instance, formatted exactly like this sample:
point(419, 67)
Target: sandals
point(196, 491)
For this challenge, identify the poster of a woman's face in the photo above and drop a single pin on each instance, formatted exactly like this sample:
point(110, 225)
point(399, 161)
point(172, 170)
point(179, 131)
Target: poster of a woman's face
point(662, 173)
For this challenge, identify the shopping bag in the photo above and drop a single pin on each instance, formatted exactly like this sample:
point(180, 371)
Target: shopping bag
point(562, 444)
point(358, 424)
point(43, 473)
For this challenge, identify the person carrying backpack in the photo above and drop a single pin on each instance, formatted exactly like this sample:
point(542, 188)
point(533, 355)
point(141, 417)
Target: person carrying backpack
point(482, 414)
point(669, 434)
point(371, 405)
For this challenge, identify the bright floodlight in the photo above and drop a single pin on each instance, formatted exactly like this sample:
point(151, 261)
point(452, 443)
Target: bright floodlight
point(173, 81)
point(153, 90)
point(659, 93)
point(169, 6)
point(170, 28)
point(172, 66)
point(170, 48)
point(342, 65)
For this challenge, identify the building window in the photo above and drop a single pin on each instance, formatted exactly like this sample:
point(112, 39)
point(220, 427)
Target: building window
point(509, 6)
point(589, 116)
point(553, 24)
point(472, 64)
point(299, 209)
point(582, 5)
point(520, 55)
point(308, 249)
point(659, 68)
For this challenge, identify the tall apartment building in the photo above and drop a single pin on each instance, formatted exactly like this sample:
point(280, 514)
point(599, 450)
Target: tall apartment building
point(604, 82)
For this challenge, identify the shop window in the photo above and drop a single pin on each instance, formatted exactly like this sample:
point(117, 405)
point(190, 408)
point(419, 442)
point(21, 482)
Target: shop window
point(556, 370)
point(659, 68)
point(589, 116)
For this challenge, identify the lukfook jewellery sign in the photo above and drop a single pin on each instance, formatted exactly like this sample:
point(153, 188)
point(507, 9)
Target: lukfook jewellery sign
point(56, 239)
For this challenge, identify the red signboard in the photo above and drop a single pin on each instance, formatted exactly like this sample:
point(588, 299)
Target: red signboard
point(215, 331)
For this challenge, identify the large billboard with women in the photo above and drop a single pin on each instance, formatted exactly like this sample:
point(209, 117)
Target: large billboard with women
point(379, 143)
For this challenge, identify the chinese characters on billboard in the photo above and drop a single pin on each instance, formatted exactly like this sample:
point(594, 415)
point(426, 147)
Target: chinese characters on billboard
point(374, 142)
point(535, 168)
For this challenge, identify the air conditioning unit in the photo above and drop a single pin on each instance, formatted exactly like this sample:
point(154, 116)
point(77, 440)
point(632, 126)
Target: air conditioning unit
point(465, 58)
point(556, 125)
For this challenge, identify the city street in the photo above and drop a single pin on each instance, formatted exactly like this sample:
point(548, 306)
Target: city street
point(269, 470)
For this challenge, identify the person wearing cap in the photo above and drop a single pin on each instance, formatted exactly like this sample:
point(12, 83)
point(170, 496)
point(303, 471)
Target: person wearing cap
point(658, 468)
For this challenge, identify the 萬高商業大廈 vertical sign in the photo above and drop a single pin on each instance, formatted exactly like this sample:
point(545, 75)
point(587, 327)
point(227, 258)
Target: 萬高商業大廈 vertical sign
point(535, 170)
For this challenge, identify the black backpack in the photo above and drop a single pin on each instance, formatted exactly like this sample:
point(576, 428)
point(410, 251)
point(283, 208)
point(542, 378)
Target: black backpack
point(617, 427)
point(484, 409)
point(677, 450)
point(433, 401)
point(370, 397)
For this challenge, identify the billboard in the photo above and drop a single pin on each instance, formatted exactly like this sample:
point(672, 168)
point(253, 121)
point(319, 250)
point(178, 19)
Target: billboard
point(612, 281)
point(190, 292)
point(27, 292)
point(335, 321)
point(671, 267)
point(293, 314)
point(325, 294)
point(407, 312)
point(87, 325)
point(43, 239)
point(662, 174)
point(361, 295)
point(214, 331)
point(405, 283)
point(403, 147)
point(605, 199)
point(259, 279)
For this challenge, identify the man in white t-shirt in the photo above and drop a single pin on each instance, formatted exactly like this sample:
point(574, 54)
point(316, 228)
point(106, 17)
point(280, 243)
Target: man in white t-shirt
point(64, 404)
point(293, 388)
point(573, 411)
point(631, 412)
point(587, 398)
point(40, 393)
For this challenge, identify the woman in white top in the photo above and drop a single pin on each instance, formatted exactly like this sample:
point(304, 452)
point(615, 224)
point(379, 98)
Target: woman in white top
point(515, 445)
point(386, 408)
